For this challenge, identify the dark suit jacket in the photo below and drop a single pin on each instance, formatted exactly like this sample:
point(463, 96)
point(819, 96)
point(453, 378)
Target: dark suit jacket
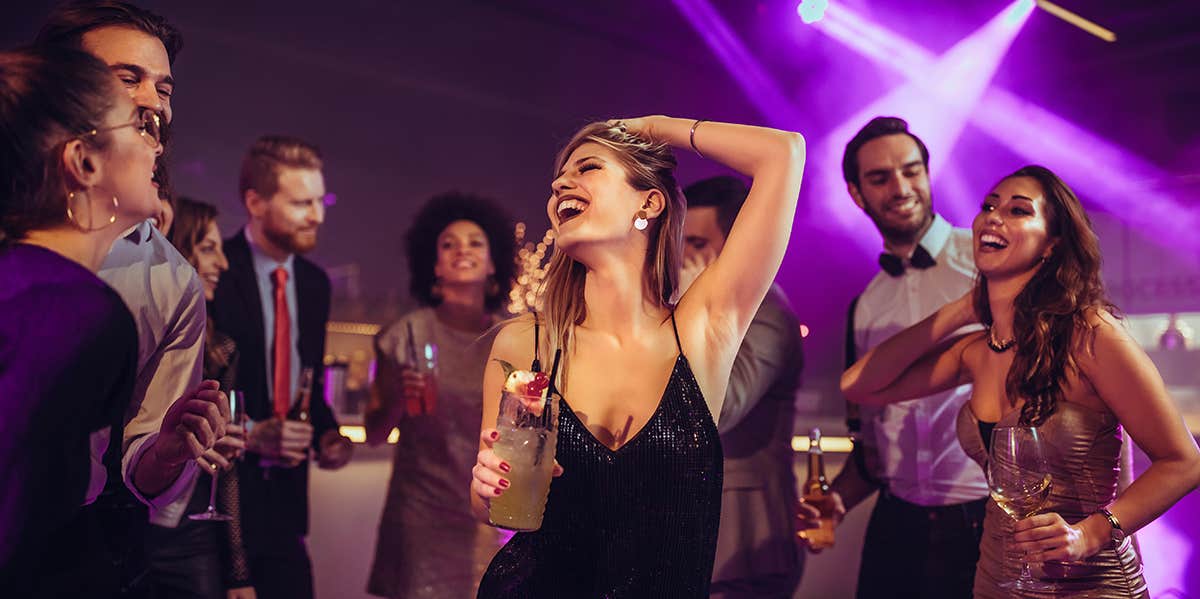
point(274, 502)
point(756, 539)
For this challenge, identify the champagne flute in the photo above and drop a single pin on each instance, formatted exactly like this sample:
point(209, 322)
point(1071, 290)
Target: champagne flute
point(237, 410)
point(1019, 481)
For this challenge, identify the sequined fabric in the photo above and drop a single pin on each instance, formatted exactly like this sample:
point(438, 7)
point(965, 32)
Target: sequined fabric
point(1083, 449)
point(640, 521)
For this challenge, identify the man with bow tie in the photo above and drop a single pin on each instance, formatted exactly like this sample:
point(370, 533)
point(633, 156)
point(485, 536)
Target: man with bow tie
point(923, 536)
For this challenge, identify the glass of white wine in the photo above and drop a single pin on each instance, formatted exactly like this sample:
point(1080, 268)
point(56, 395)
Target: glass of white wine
point(1019, 481)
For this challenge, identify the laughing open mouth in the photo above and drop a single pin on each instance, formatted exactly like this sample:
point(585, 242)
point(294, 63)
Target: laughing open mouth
point(569, 208)
point(991, 240)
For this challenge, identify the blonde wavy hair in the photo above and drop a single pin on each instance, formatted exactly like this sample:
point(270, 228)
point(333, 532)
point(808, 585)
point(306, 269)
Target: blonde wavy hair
point(649, 166)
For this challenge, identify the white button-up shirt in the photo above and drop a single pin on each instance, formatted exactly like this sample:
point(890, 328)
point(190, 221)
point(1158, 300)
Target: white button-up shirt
point(913, 446)
point(167, 301)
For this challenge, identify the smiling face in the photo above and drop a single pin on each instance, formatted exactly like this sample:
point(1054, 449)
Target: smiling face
point(1012, 230)
point(893, 187)
point(592, 200)
point(463, 255)
point(140, 62)
point(209, 259)
point(291, 217)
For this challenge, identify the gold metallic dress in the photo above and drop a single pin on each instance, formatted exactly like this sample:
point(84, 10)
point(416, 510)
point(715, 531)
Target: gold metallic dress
point(1083, 447)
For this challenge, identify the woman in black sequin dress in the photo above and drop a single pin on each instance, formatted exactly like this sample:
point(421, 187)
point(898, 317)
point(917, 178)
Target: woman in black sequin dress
point(635, 510)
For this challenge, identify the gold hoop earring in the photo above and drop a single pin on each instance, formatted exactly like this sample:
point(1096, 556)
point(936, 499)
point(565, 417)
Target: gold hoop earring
point(89, 229)
point(641, 222)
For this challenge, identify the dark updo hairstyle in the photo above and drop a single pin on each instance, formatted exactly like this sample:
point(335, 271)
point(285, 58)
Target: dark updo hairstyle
point(47, 97)
point(1050, 314)
point(434, 217)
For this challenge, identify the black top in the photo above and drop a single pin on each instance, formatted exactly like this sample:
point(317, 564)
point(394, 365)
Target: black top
point(985, 433)
point(68, 355)
point(640, 521)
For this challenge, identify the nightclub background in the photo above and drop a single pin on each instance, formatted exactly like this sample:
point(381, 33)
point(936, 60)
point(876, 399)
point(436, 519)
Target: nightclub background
point(408, 99)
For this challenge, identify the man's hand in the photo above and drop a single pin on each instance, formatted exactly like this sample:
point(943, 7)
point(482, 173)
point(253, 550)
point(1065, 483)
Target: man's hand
point(336, 450)
point(192, 426)
point(808, 516)
point(228, 448)
point(287, 441)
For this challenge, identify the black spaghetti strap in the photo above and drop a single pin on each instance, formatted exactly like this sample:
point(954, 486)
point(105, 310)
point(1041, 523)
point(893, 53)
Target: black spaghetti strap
point(678, 345)
point(537, 335)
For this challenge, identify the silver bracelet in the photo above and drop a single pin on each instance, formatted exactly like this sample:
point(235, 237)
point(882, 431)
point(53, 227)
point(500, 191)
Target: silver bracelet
point(692, 137)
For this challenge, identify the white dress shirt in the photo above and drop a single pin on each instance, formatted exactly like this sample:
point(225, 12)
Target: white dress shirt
point(913, 446)
point(165, 296)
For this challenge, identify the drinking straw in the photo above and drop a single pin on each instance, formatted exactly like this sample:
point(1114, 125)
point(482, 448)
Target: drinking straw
point(412, 347)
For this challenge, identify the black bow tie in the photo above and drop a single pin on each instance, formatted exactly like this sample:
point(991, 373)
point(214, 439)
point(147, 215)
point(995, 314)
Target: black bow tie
point(894, 265)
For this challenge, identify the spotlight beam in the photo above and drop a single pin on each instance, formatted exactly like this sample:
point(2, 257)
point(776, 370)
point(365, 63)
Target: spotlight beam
point(1110, 173)
point(757, 85)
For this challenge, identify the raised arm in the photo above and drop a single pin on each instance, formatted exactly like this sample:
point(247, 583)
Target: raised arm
point(918, 361)
point(1128, 383)
point(732, 287)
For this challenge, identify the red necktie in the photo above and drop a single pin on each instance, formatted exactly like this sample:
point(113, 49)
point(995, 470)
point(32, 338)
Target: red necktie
point(283, 344)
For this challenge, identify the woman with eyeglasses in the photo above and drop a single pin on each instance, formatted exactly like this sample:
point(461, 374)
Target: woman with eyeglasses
point(76, 166)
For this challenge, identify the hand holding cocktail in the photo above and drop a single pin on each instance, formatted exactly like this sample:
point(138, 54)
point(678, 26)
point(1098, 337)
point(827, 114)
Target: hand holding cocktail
point(489, 476)
point(513, 470)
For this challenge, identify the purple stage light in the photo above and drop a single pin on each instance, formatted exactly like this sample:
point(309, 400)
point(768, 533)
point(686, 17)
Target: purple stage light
point(811, 11)
point(757, 85)
point(937, 103)
point(1112, 176)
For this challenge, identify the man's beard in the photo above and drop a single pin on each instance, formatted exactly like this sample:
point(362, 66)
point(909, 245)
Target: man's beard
point(291, 242)
point(900, 234)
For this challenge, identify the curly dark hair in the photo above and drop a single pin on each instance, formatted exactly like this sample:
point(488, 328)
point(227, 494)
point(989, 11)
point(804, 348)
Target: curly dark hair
point(434, 217)
point(1052, 311)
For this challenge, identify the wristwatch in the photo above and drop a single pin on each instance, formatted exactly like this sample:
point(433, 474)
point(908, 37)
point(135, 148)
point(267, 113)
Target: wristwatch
point(1117, 535)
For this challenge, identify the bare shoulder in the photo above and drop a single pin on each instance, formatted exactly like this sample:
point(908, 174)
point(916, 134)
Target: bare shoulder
point(514, 339)
point(1103, 333)
point(970, 346)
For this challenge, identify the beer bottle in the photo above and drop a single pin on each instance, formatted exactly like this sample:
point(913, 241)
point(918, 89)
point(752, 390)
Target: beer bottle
point(300, 408)
point(816, 494)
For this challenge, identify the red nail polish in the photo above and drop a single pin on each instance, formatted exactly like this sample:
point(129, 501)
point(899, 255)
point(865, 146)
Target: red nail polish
point(503, 483)
point(497, 491)
point(495, 435)
point(504, 467)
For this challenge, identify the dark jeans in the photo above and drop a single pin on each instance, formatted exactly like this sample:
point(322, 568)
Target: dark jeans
point(185, 561)
point(284, 571)
point(918, 552)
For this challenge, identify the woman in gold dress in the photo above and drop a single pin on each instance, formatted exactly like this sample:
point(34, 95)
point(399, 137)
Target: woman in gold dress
point(1051, 355)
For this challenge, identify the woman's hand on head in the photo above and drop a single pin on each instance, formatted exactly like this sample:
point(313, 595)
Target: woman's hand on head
point(640, 126)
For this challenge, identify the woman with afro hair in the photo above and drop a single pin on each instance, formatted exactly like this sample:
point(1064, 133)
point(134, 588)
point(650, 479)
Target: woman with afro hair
point(460, 256)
